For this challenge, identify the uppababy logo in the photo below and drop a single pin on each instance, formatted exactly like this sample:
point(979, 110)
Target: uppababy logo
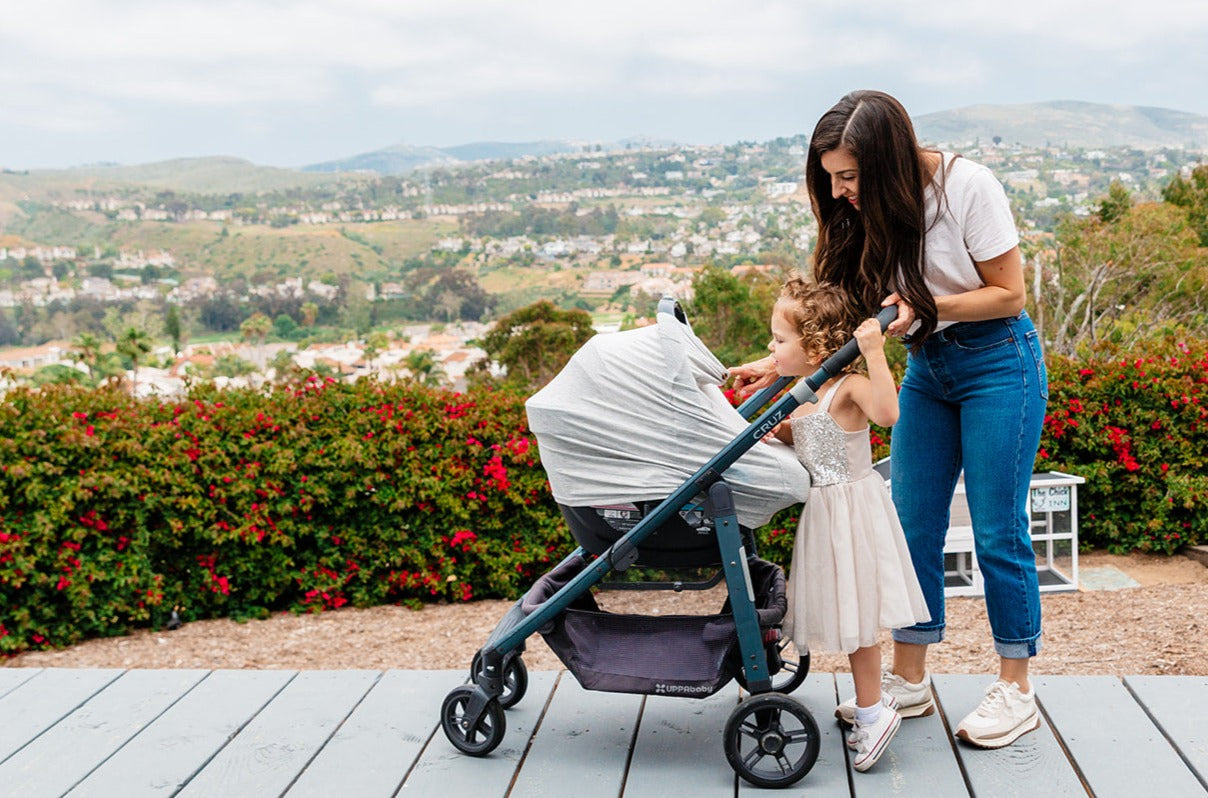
point(679, 689)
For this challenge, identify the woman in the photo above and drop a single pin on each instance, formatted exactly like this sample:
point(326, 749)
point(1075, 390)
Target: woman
point(933, 233)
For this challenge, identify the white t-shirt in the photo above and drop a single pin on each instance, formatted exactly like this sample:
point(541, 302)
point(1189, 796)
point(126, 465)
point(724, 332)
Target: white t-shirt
point(976, 225)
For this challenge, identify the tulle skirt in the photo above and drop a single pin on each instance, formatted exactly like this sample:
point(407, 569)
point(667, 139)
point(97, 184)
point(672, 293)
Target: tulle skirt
point(851, 574)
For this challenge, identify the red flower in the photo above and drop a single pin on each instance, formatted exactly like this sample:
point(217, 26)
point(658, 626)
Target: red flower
point(462, 538)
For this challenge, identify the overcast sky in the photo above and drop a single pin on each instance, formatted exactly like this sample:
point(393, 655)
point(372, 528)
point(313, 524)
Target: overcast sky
point(288, 83)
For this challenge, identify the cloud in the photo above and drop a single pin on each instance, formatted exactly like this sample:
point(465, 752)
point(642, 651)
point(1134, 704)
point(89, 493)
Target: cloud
point(686, 68)
point(247, 52)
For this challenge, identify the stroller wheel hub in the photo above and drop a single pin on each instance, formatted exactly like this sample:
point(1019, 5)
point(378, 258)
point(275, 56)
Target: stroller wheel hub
point(772, 743)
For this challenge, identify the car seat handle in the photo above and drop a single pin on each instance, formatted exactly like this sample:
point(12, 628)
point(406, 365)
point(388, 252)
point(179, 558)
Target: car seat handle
point(671, 306)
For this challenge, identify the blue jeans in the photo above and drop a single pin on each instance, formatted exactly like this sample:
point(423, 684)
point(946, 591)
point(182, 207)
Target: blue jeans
point(973, 397)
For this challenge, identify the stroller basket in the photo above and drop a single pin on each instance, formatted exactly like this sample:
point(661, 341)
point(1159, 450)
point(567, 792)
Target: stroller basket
point(685, 655)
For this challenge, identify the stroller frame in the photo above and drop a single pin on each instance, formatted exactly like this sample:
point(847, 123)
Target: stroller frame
point(472, 716)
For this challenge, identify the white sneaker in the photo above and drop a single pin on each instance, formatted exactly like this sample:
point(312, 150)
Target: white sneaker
point(887, 701)
point(913, 700)
point(872, 740)
point(1003, 716)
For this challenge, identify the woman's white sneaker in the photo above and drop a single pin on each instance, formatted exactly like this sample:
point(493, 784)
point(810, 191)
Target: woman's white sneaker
point(913, 699)
point(1003, 716)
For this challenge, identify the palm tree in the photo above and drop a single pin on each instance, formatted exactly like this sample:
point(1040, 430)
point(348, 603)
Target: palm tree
point(375, 344)
point(256, 328)
point(86, 349)
point(134, 343)
point(424, 368)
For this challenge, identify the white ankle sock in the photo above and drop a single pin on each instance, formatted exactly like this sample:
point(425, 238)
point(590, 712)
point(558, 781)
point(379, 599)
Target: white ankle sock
point(867, 715)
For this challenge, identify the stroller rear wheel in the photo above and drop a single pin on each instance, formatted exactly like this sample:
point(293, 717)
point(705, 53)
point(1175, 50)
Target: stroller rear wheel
point(515, 679)
point(772, 740)
point(474, 738)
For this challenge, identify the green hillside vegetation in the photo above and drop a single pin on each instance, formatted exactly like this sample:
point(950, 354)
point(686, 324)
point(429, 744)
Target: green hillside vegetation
point(67, 228)
point(517, 286)
point(364, 251)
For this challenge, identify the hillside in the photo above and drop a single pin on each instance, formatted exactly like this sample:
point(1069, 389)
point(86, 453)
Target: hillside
point(403, 158)
point(210, 175)
point(267, 253)
point(1066, 123)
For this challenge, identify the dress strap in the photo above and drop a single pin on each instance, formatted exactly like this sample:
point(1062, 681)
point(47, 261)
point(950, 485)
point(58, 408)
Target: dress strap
point(826, 400)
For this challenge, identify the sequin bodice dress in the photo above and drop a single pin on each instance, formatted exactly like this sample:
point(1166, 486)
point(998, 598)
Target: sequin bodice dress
point(851, 574)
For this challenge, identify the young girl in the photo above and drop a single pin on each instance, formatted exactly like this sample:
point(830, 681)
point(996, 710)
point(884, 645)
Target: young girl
point(851, 574)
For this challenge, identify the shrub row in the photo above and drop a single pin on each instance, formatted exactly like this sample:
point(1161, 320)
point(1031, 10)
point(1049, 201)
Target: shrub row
point(1136, 427)
point(116, 512)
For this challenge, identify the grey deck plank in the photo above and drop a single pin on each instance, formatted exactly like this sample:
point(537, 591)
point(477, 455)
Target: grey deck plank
point(443, 770)
point(12, 678)
point(166, 754)
point(377, 745)
point(41, 702)
point(1108, 733)
point(919, 761)
point(269, 753)
point(67, 752)
point(585, 736)
point(679, 744)
point(1178, 704)
point(1032, 765)
point(829, 776)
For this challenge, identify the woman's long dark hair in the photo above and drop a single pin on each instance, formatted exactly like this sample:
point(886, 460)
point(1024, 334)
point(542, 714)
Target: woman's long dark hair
point(879, 248)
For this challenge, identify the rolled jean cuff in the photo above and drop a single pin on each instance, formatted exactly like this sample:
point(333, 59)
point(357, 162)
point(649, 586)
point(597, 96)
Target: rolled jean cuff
point(1017, 649)
point(919, 636)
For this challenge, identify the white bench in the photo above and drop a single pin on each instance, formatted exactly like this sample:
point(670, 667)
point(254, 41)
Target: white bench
point(1054, 509)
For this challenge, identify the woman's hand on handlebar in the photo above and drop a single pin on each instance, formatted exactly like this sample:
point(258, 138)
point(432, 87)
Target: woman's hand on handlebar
point(753, 376)
point(901, 325)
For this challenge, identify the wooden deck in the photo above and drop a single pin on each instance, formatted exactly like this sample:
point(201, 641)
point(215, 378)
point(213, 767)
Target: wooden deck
point(370, 733)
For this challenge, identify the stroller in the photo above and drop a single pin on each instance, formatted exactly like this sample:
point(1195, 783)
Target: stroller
point(629, 501)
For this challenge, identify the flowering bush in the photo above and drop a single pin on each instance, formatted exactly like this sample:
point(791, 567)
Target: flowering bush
point(312, 496)
point(1136, 427)
point(114, 512)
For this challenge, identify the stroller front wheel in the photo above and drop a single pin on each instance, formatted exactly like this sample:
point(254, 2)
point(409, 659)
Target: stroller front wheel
point(772, 740)
point(476, 737)
point(515, 679)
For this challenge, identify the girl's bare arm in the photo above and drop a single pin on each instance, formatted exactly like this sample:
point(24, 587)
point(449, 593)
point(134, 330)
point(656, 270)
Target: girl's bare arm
point(877, 396)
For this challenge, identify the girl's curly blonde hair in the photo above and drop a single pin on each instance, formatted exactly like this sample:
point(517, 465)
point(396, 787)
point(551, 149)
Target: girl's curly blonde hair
point(823, 314)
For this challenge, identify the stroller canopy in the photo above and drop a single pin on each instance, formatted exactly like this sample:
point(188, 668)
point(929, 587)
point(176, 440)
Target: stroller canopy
point(634, 414)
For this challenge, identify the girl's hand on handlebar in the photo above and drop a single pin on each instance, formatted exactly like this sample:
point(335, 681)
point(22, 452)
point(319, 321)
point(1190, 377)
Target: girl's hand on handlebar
point(869, 338)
